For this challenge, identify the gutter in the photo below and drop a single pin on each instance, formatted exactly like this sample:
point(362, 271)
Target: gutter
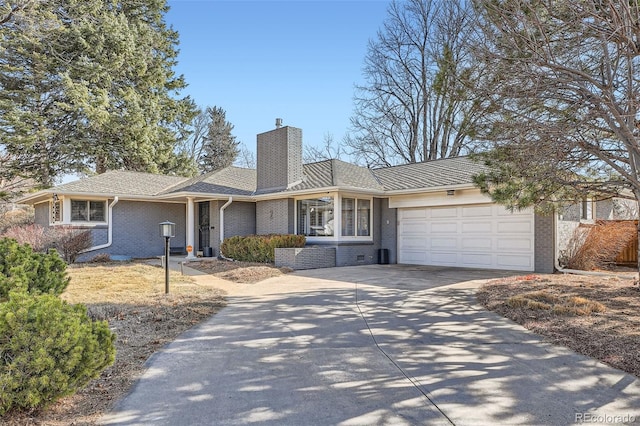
point(109, 232)
point(224, 206)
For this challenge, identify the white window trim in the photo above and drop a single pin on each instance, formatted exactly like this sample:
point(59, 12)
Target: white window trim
point(337, 218)
point(66, 213)
point(355, 238)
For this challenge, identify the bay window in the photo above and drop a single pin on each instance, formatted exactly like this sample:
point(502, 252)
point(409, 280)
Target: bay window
point(317, 217)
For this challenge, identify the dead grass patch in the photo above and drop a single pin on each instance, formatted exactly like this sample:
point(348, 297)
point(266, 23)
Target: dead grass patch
point(558, 305)
point(593, 315)
point(239, 272)
point(131, 298)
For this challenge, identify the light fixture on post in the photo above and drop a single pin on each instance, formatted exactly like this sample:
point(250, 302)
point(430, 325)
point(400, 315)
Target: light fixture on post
point(451, 192)
point(167, 230)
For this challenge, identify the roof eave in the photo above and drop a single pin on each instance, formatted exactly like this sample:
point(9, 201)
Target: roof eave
point(204, 196)
point(430, 189)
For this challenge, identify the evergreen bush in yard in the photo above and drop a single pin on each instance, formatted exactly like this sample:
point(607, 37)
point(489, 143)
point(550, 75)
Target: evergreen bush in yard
point(22, 268)
point(48, 349)
point(259, 248)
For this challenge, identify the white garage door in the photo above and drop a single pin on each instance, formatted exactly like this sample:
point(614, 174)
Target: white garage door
point(471, 236)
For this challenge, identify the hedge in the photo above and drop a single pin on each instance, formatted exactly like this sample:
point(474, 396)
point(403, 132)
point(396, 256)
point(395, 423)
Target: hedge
point(49, 349)
point(259, 248)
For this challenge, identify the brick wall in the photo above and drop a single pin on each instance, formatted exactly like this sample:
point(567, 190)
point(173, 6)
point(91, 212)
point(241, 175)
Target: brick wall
point(544, 244)
point(275, 217)
point(136, 230)
point(279, 158)
point(239, 219)
point(388, 229)
point(305, 258)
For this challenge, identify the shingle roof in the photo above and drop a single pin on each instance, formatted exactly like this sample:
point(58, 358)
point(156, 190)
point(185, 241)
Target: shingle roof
point(119, 182)
point(430, 174)
point(228, 181)
point(320, 175)
point(329, 173)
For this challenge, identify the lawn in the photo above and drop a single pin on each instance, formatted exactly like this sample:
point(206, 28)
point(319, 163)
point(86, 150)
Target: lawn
point(131, 298)
point(594, 315)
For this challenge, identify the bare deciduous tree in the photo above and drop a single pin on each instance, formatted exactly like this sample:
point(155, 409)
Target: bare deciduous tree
point(329, 150)
point(415, 105)
point(562, 106)
point(246, 158)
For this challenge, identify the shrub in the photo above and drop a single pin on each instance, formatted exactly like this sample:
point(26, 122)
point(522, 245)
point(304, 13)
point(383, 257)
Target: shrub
point(70, 242)
point(259, 248)
point(34, 235)
point(22, 268)
point(67, 240)
point(49, 349)
point(598, 246)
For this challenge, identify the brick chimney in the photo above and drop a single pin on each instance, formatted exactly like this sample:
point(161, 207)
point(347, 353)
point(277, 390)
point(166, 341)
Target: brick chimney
point(279, 158)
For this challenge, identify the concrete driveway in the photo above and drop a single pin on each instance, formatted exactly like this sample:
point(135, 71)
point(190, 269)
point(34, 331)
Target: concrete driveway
point(371, 345)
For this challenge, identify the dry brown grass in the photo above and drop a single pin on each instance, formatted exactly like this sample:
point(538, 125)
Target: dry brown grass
point(240, 272)
point(131, 298)
point(593, 315)
point(598, 246)
point(559, 305)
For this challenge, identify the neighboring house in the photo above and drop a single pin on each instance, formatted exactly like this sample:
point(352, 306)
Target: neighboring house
point(426, 213)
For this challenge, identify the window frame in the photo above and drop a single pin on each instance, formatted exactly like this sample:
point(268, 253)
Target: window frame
point(88, 221)
point(337, 218)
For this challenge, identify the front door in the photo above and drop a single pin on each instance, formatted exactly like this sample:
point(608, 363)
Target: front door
point(204, 234)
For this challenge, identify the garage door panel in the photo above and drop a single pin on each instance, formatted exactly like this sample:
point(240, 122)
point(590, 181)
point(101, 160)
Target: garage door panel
point(415, 257)
point(476, 243)
point(502, 211)
point(414, 243)
point(478, 236)
point(444, 258)
point(413, 214)
point(478, 211)
point(444, 212)
point(476, 260)
point(515, 227)
point(443, 243)
point(409, 228)
point(477, 227)
point(443, 227)
point(515, 244)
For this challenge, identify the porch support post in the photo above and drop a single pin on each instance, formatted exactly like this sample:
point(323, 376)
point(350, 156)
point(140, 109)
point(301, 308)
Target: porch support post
point(191, 228)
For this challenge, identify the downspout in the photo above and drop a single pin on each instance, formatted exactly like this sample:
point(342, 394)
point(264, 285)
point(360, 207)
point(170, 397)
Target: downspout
point(224, 206)
point(574, 271)
point(109, 231)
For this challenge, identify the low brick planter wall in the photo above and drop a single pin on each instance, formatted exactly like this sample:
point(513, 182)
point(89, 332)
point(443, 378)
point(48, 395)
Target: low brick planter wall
point(305, 258)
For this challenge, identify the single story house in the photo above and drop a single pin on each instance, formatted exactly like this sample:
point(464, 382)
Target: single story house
point(426, 213)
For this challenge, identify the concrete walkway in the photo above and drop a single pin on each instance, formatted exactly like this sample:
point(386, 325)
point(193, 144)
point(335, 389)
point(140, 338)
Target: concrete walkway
point(371, 345)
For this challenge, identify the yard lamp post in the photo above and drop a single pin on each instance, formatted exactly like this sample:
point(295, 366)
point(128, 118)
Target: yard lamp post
point(167, 230)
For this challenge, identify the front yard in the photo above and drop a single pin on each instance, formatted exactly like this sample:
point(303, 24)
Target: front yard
point(596, 316)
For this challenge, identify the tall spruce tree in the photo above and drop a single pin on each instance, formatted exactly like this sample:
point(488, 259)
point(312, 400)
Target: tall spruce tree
point(88, 85)
point(219, 147)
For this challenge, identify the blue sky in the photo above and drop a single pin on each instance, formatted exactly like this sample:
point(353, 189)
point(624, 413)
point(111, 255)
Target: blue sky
point(258, 60)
